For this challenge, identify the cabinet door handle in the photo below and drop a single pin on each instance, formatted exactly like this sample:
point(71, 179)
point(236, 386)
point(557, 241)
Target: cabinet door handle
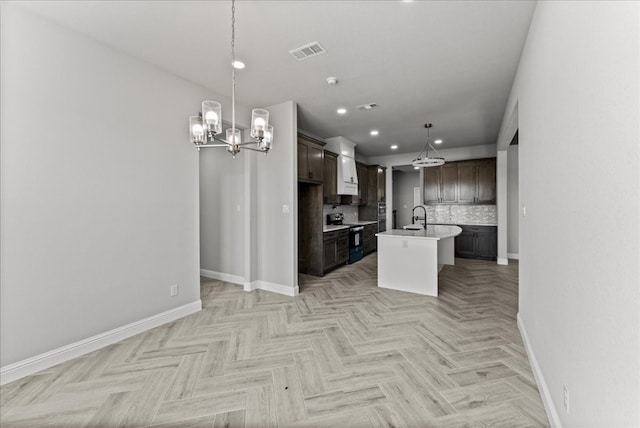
point(310, 174)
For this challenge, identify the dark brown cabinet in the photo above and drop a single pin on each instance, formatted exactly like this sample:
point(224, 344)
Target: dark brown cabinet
point(310, 159)
point(486, 179)
point(381, 173)
point(369, 239)
point(330, 184)
point(336, 249)
point(376, 186)
point(477, 242)
point(441, 184)
point(465, 182)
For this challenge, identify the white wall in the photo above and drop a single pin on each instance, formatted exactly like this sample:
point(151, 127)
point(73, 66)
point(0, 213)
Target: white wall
point(513, 202)
point(276, 186)
point(501, 205)
point(222, 213)
point(99, 209)
point(577, 95)
point(403, 184)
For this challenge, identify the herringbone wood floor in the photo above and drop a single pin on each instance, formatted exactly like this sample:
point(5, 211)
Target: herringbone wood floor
point(342, 354)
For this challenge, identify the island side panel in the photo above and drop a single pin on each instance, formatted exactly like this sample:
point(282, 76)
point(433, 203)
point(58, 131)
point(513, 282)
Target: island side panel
point(446, 251)
point(408, 265)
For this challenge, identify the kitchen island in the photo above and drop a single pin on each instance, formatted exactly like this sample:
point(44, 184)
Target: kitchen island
point(409, 260)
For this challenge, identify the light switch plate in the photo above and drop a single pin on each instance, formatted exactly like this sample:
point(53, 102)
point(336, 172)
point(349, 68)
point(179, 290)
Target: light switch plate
point(285, 209)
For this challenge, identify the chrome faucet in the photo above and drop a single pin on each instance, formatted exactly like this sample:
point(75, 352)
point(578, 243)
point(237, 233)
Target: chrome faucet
point(415, 217)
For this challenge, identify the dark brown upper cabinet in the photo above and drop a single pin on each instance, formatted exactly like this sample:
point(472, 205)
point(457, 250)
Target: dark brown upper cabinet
point(464, 182)
point(310, 159)
point(330, 186)
point(441, 184)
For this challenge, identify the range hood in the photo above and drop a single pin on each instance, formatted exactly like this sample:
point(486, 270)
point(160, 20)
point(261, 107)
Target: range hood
point(347, 174)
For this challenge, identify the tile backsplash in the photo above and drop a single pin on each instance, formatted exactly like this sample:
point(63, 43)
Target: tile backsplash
point(350, 212)
point(461, 214)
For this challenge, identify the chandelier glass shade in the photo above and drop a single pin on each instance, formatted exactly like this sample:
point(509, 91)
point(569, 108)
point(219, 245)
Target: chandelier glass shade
point(205, 128)
point(427, 161)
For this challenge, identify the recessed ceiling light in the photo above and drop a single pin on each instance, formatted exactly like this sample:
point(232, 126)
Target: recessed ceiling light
point(374, 132)
point(438, 141)
point(416, 167)
point(342, 110)
point(238, 65)
point(394, 147)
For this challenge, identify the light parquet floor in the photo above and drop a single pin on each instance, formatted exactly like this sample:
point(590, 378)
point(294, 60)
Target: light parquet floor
point(341, 354)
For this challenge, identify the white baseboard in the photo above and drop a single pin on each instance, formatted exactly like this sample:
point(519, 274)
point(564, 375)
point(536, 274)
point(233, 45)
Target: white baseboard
point(250, 286)
point(221, 276)
point(48, 359)
point(550, 408)
point(503, 261)
point(514, 256)
point(271, 286)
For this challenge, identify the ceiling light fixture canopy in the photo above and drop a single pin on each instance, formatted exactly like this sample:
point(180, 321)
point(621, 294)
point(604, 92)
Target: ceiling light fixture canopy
point(204, 128)
point(427, 161)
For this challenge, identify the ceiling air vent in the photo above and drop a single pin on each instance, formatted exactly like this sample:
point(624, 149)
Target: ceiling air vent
point(369, 106)
point(307, 51)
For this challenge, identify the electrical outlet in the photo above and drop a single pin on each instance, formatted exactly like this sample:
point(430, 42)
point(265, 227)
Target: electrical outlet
point(565, 398)
point(173, 290)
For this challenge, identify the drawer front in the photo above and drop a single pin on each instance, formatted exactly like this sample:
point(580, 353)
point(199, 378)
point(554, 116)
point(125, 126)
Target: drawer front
point(330, 236)
point(343, 243)
point(343, 256)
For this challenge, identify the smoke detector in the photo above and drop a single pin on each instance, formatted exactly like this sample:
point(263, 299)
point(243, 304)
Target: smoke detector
point(332, 80)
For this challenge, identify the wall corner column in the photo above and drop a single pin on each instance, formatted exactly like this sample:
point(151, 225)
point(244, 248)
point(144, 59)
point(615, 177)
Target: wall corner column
point(501, 200)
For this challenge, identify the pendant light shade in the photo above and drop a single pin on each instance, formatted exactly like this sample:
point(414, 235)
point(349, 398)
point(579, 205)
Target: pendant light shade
point(212, 117)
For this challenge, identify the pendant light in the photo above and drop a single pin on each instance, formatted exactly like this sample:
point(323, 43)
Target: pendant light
point(204, 128)
point(426, 161)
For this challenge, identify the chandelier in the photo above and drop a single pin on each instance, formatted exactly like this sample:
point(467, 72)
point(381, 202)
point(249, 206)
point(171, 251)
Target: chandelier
point(204, 128)
point(426, 161)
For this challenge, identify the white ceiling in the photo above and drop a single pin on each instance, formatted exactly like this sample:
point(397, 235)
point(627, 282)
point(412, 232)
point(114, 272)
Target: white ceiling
point(451, 63)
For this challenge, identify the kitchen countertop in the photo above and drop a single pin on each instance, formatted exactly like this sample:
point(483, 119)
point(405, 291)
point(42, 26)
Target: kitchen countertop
point(463, 224)
point(332, 227)
point(361, 223)
point(433, 232)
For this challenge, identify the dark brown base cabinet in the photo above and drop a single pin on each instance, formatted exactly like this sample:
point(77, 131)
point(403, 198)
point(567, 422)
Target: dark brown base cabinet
point(336, 249)
point(369, 239)
point(477, 242)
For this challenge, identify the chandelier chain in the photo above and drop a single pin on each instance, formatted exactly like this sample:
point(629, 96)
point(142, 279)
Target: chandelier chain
point(233, 63)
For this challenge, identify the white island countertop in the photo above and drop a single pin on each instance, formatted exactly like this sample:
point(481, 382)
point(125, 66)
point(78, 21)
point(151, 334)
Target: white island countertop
point(435, 232)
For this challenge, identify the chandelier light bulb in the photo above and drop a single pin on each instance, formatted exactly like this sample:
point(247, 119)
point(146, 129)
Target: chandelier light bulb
point(211, 118)
point(259, 123)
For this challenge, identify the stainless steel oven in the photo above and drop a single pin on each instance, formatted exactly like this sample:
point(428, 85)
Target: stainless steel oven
point(382, 217)
point(356, 248)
